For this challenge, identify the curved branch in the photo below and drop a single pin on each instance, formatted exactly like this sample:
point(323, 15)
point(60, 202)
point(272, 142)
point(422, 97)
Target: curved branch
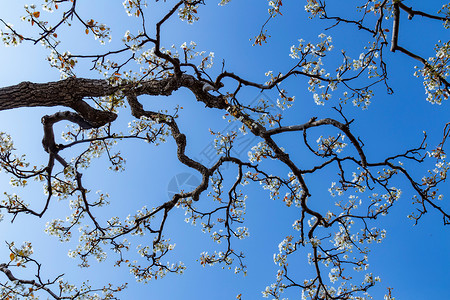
point(315, 123)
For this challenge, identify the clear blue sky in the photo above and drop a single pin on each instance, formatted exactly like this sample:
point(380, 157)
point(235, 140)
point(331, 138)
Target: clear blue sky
point(413, 260)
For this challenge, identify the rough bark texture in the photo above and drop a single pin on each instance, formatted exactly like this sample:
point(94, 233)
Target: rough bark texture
point(64, 92)
point(70, 93)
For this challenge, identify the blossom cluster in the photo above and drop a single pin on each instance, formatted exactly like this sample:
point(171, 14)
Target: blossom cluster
point(435, 72)
point(331, 144)
point(188, 13)
point(10, 37)
point(133, 7)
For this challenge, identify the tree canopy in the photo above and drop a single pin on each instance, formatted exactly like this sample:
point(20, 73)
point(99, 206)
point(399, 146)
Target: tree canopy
point(295, 135)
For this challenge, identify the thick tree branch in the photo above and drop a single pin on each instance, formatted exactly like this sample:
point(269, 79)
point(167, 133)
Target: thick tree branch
point(412, 13)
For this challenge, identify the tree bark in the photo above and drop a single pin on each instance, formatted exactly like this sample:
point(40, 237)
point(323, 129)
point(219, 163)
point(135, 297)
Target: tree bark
point(70, 93)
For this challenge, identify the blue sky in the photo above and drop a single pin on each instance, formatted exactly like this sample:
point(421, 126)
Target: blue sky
point(413, 260)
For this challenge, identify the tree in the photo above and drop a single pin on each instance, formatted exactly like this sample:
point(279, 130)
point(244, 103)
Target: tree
point(319, 167)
